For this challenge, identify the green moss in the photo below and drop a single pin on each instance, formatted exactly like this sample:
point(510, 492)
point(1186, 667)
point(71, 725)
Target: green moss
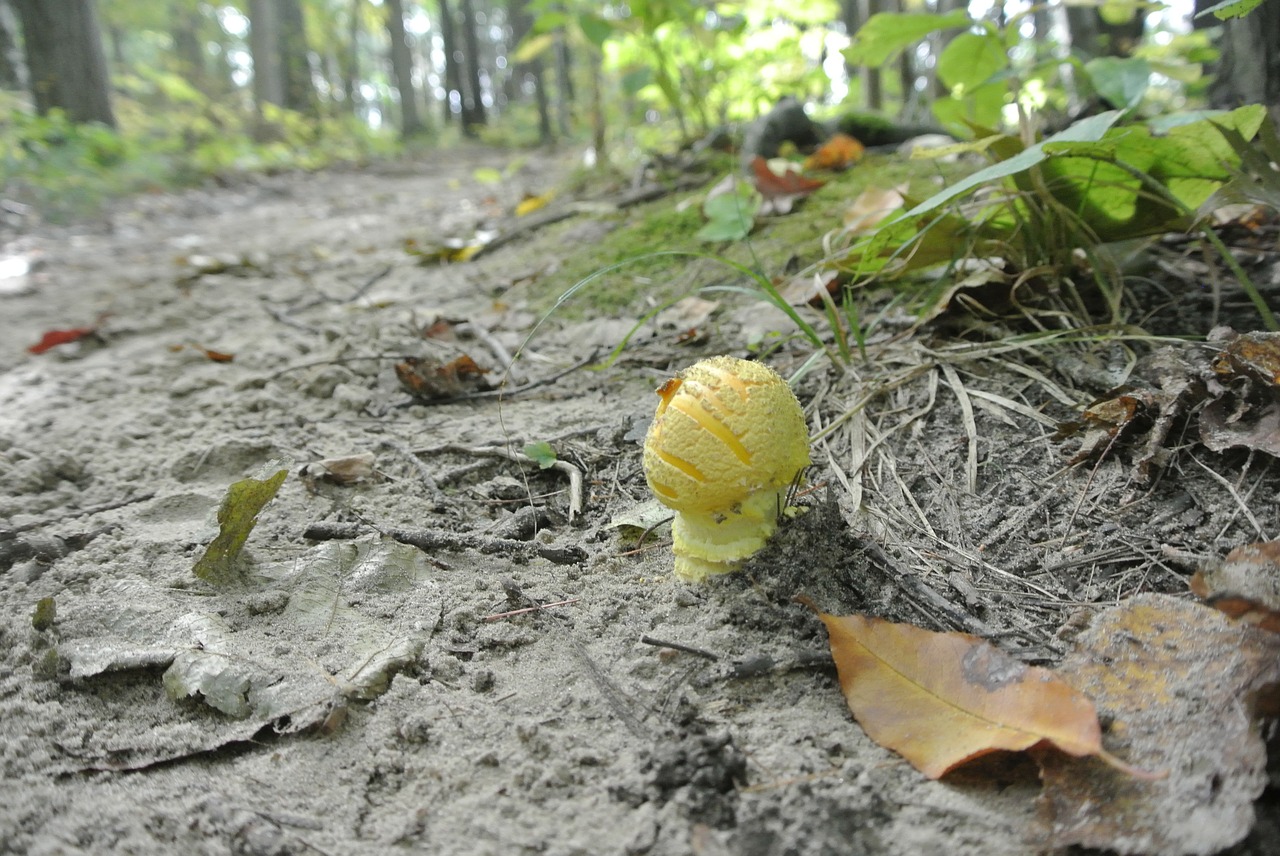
point(644, 277)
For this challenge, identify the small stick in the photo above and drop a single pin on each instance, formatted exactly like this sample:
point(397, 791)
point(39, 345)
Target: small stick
point(495, 347)
point(514, 612)
point(431, 539)
point(679, 646)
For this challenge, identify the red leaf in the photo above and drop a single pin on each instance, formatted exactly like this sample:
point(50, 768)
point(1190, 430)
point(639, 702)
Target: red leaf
point(791, 183)
point(53, 338)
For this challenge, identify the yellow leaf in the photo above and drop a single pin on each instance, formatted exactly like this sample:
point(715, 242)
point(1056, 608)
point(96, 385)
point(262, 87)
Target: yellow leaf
point(532, 203)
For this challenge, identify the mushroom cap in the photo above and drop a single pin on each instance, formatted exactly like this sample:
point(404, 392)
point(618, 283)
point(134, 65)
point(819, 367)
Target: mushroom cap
point(725, 429)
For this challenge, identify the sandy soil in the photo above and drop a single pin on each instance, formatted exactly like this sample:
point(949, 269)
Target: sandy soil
point(375, 697)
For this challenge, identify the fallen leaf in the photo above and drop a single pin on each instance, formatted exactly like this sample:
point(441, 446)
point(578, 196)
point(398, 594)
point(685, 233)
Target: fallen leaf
point(941, 699)
point(431, 379)
point(1177, 684)
point(1245, 385)
point(532, 203)
point(780, 191)
point(54, 338)
point(345, 470)
point(238, 515)
point(808, 290)
point(871, 207)
point(1245, 585)
point(836, 153)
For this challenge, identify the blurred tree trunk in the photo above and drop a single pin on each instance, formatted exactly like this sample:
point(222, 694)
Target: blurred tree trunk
point(452, 70)
point(402, 71)
point(65, 59)
point(872, 85)
point(1248, 69)
point(473, 109)
point(295, 62)
point(12, 71)
point(1094, 37)
point(264, 45)
point(564, 83)
point(350, 59)
point(531, 71)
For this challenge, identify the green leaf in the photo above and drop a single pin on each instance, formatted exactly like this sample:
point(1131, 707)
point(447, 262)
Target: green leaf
point(982, 107)
point(1230, 9)
point(1122, 81)
point(730, 216)
point(886, 33)
point(971, 59)
point(487, 175)
point(596, 28)
point(541, 453)
point(1086, 130)
point(1118, 12)
point(236, 519)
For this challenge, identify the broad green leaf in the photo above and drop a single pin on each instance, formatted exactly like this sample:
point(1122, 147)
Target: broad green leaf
point(886, 33)
point(730, 216)
point(596, 28)
point(1230, 9)
point(541, 453)
point(971, 59)
point(982, 107)
point(1086, 130)
point(487, 175)
point(236, 519)
point(1122, 81)
point(1118, 12)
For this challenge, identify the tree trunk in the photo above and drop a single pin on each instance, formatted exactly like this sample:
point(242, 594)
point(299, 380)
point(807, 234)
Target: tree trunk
point(452, 69)
point(65, 59)
point(1249, 67)
point(402, 70)
point(872, 86)
point(350, 60)
point(295, 62)
point(564, 84)
point(264, 44)
point(12, 71)
point(1094, 37)
point(473, 111)
point(530, 71)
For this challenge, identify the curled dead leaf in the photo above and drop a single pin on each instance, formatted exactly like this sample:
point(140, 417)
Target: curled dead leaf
point(941, 699)
point(1245, 585)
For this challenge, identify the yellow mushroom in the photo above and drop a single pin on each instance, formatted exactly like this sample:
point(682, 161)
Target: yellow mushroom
point(725, 445)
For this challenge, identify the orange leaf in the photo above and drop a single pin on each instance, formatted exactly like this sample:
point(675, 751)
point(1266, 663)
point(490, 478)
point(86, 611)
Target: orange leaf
point(941, 699)
point(836, 153)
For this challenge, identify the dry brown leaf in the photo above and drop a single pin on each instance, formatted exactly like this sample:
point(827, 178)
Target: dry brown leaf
point(1176, 682)
point(838, 152)
point(1245, 585)
point(941, 699)
point(871, 207)
point(432, 379)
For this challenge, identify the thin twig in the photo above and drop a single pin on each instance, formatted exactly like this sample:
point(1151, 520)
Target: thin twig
point(511, 613)
point(433, 539)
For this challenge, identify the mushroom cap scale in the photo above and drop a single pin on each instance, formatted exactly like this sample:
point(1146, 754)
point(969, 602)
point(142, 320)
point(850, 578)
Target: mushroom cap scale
point(725, 429)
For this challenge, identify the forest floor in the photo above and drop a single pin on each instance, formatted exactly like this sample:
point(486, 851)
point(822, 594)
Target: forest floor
point(352, 693)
